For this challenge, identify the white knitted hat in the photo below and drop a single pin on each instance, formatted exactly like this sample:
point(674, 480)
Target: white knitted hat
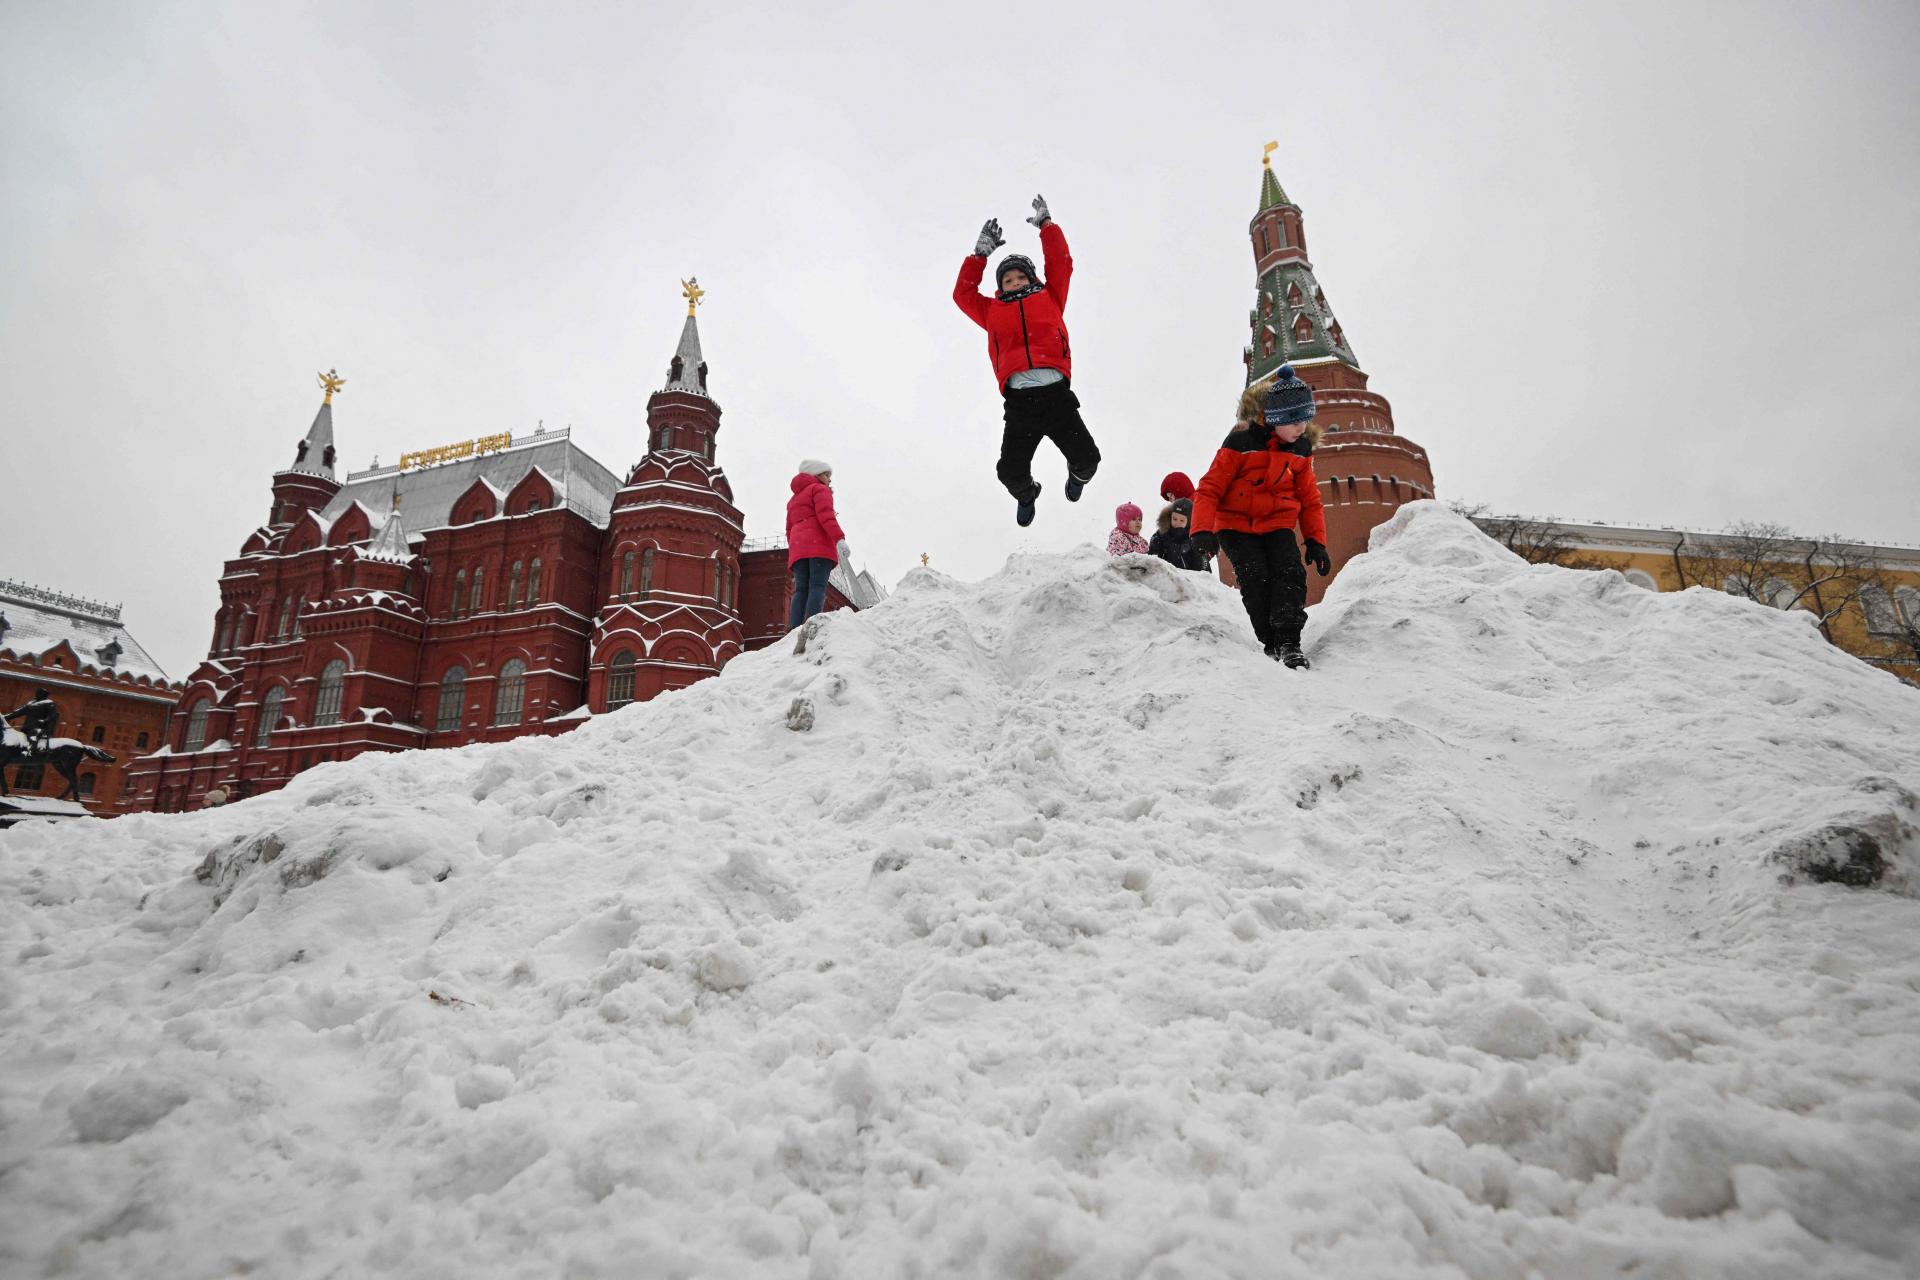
point(815, 467)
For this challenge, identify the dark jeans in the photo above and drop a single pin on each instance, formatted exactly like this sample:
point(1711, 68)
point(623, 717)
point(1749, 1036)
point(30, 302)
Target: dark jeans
point(1051, 413)
point(1273, 582)
point(809, 589)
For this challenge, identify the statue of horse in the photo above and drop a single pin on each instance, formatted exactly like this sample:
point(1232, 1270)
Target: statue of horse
point(64, 754)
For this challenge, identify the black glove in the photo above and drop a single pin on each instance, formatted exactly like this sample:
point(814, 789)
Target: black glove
point(1317, 557)
point(989, 240)
point(1040, 216)
point(1207, 544)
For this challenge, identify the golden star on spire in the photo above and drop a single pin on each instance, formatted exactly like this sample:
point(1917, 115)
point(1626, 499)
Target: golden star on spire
point(690, 289)
point(331, 381)
point(1266, 155)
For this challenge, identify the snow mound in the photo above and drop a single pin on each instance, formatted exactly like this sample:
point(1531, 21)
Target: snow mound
point(1036, 927)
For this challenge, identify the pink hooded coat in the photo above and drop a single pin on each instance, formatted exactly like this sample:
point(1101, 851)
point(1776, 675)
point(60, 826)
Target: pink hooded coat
point(812, 531)
point(1120, 542)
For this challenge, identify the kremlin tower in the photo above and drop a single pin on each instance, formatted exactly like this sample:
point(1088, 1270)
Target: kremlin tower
point(1366, 471)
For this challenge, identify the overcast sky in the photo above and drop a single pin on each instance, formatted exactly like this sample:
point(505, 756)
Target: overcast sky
point(1648, 263)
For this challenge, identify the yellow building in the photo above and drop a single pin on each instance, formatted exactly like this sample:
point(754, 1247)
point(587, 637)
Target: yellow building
point(1866, 598)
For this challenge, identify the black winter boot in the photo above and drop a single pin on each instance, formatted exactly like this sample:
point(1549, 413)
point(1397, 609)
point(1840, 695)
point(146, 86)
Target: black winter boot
point(1023, 514)
point(1288, 651)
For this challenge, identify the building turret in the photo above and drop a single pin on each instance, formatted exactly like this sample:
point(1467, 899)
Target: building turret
point(1366, 471)
point(670, 577)
point(309, 484)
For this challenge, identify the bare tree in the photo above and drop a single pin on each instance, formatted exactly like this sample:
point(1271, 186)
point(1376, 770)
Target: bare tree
point(1768, 564)
point(1540, 541)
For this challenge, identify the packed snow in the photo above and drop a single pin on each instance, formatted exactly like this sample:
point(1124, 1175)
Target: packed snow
point(1035, 927)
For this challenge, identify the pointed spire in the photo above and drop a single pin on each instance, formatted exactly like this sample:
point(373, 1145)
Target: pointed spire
point(688, 372)
point(315, 455)
point(1271, 196)
point(390, 544)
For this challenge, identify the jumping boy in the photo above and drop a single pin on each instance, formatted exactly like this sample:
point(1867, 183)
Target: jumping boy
point(1032, 361)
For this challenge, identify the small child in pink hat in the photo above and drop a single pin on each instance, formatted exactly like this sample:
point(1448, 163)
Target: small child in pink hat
point(1125, 540)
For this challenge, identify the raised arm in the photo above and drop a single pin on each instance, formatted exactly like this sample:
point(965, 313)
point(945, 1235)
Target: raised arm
point(1053, 248)
point(966, 290)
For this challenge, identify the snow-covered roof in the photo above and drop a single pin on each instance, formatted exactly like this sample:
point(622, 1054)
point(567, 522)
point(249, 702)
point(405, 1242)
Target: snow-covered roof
point(38, 620)
point(427, 494)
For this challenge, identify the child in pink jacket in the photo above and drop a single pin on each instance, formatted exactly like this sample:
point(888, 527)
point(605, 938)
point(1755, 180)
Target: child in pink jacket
point(1125, 540)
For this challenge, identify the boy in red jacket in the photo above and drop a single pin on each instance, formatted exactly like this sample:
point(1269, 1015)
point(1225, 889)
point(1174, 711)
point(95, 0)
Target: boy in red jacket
point(1032, 361)
point(1261, 484)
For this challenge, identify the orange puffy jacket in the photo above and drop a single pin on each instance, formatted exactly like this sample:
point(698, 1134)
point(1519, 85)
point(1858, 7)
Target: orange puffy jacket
point(1026, 333)
point(1258, 484)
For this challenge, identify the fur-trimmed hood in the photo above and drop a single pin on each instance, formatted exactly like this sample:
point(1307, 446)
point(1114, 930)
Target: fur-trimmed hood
point(1251, 415)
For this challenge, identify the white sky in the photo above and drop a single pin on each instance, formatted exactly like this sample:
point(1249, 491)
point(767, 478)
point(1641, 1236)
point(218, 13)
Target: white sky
point(1645, 262)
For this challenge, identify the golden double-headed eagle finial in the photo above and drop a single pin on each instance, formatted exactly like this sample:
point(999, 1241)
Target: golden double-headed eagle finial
point(690, 289)
point(330, 382)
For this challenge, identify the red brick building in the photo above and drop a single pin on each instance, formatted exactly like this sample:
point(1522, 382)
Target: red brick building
point(475, 592)
point(1366, 471)
point(110, 691)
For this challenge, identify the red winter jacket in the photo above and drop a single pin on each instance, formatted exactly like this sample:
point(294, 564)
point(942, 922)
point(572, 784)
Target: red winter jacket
point(1028, 332)
point(1258, 484)
point(812, 532)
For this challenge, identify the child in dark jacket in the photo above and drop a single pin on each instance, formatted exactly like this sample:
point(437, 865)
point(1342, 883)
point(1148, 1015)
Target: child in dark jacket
point(1032, 359)
point(1173, 543)
point(1261, 487)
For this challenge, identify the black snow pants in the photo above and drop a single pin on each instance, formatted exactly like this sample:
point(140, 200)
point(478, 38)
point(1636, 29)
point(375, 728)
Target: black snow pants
point(1273, 582)
point(1051, 413)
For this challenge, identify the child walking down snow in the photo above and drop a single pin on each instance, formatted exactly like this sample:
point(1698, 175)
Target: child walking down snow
point(1032, 360)
point(814, 540)
point(1173, 542)
point(1260, 487)
point(1125, 540)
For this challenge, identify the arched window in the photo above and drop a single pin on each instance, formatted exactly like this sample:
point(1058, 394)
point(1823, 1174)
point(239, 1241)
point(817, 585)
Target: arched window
point(646, 573)
point(476, 602)
point(1780, 593)
point(298, 601)
point(326, 702)
point(453, 700)
point(1642, 579)
point(720, 582)
point(533, 582)
point(1737, 584)
point(286, 617)
point(513, 586)
point(510, 692)
point(620, 680)
point(226, 635)
point(140, 743)
point(459, 592)
point(1878, 606)
point(626, 577)
point(270, 711)
point(1908, 601)
point(197, 726)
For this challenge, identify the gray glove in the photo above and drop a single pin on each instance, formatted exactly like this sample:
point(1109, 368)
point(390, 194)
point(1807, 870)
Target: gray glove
point(990, 239)
point(845, 553)
point(1040, 216)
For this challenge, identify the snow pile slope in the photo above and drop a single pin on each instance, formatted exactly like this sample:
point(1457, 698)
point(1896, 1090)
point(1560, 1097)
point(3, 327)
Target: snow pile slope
point(1039, 927)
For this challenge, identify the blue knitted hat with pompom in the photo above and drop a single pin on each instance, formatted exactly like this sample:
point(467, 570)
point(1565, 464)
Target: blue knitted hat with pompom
point(1288, 399)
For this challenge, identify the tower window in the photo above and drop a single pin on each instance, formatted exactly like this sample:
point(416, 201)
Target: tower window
point(476, 602)
point(453, 696)
point(510, 693)
point(326, 702)
point(513, 586)
point(533, 583)
point(270, 711)
point(646, 573)
point(626, 577)
point(620, 680)
point(197, 726)
point(459, 592)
